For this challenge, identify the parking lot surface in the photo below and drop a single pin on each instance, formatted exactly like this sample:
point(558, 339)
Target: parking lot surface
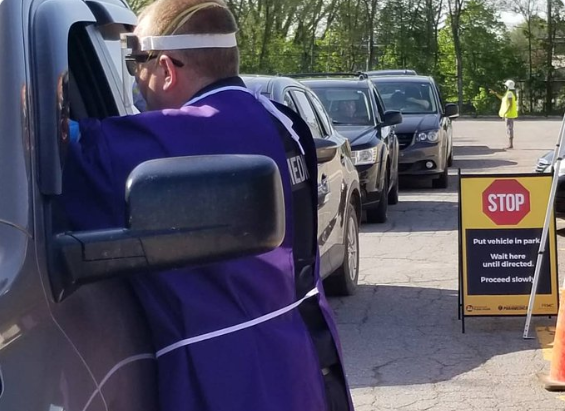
point(402, 340)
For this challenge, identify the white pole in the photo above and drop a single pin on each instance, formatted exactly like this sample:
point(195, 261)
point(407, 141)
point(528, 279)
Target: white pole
point(556, 162)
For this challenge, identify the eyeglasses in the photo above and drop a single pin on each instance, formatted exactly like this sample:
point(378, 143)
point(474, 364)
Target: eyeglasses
point(134, 59)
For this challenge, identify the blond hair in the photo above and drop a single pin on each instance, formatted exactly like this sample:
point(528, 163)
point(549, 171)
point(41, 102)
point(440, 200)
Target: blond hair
point(167, 17)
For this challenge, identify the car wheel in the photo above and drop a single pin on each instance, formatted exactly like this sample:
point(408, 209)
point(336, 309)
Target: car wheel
point(380, 214)
point(442, 181)
point(393, 194)
point(344, 280)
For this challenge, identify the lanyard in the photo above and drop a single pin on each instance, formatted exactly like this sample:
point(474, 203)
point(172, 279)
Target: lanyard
point(237, 327)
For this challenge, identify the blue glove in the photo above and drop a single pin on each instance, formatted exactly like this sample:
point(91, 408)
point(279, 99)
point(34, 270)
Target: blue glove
point(74, 131)
point(138, 100)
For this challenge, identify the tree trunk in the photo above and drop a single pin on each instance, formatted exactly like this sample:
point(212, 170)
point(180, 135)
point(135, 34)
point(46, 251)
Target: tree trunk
point(530, 77)
point(455, 13)
point(549, 64)
point(459, 68)
point(266, 38)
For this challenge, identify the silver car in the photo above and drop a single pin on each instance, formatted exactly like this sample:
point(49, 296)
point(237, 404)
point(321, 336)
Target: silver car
point(339, 198)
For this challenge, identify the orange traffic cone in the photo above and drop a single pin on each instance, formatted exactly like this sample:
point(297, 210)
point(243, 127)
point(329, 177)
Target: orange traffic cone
point(556, 379)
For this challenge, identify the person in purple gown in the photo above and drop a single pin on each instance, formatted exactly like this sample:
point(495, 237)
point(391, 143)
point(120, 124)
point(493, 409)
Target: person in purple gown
point(249, 334)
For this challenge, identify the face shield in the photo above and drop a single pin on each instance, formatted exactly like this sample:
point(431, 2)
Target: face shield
point(137, 50)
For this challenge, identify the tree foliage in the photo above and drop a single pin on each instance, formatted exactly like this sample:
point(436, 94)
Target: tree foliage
point(462, 43)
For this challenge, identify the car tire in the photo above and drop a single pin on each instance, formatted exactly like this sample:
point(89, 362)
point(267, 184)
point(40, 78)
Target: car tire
point(442, 181)
point(393, 194)
point(380, 213)
point(343, 281)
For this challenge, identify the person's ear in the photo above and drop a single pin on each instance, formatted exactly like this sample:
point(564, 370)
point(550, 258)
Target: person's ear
point(169, 72)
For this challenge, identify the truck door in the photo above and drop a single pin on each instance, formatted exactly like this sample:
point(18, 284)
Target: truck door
point(103, 323)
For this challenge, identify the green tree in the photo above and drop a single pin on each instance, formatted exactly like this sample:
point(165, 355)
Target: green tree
point(138, 5)
point(488, 57)
point(407, 33)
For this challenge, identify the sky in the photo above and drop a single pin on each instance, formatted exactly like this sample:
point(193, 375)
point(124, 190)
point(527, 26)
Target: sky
point(511, 19)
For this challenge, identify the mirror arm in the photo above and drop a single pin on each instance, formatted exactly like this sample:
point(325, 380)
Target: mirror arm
point(92, 256)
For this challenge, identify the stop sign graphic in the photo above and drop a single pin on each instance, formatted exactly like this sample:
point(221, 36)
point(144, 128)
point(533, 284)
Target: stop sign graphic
point(506, 202)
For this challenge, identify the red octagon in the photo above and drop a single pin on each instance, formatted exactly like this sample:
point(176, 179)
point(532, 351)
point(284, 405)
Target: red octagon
point(506, 202)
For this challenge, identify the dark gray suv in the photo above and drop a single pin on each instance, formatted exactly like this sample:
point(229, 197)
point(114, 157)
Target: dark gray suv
point(358, 113)
point(71, 333)
point(425, 136)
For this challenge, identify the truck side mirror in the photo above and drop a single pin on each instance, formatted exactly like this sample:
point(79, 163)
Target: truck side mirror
point(392, 117)
point(451, 110)
point(325, 149)
point(181, 211)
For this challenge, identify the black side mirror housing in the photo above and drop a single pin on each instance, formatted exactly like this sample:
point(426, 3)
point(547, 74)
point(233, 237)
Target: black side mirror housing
point(180, 212)
point(392, 117)
point(451, 110)
point(325, 149)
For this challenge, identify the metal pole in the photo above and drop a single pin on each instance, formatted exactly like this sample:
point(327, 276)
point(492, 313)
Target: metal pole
point(556, 162)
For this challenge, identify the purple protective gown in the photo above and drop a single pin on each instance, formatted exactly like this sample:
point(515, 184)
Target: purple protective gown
point(272, 366)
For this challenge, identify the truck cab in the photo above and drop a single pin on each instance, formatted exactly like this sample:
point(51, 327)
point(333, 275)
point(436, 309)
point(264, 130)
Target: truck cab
point(72, 335)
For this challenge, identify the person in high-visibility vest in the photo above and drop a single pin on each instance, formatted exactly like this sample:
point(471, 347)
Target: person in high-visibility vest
point(508, 109)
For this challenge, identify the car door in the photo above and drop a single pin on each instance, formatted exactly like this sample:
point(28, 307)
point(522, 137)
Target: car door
point(392, 140)
point(348, 175)
point(445, 122)
point(330, 186)
point(40, 367)
point(102, 322)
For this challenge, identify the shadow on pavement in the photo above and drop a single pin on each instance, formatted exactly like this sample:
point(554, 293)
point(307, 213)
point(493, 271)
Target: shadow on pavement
point(476, 150)
point(479, 164)
point(397, 336)
point(410, 183)
point(430, 216)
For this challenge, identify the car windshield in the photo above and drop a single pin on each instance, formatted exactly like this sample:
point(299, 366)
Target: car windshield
point(346, 105)
point(408, 97)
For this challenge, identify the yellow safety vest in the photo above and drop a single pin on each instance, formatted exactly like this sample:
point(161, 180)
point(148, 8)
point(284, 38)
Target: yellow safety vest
point(508, 112)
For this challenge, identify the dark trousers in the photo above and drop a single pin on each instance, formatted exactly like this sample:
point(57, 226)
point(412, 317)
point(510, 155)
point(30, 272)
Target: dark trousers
point(336, 392)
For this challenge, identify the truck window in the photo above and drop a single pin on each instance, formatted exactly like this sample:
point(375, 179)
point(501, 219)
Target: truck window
point(89, 91)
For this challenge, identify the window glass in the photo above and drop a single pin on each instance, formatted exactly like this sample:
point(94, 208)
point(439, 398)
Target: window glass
point(346, 105)
point(90, 76)
point(408, 97)
point(287, 101)
point(129, 93)
point(380, 106)
point(307, 112)
point(322, 115)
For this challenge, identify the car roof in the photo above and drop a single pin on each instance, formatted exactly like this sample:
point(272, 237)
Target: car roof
point(271, 85)
point(339, 82)
point(392, 72)
point(268, 81)
point(402, 79)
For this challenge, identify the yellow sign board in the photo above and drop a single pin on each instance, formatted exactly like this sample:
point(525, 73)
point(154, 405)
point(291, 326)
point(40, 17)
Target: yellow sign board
point(501, 218)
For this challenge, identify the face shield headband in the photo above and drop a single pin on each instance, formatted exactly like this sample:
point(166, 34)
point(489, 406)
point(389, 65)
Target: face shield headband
point(140, 50)
point(137, 50)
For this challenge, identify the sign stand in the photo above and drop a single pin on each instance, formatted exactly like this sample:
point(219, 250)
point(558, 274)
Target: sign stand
point(460, 314)
point(556, 161)
point(501, 220)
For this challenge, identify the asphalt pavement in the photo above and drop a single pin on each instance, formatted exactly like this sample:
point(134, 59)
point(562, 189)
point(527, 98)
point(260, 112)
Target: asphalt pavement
point(401, 336)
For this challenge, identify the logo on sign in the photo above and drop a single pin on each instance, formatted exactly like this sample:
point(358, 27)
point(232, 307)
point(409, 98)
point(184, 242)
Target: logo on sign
point(506, 202)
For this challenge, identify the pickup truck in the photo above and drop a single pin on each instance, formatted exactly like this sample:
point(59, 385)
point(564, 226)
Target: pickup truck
point(71, 336)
